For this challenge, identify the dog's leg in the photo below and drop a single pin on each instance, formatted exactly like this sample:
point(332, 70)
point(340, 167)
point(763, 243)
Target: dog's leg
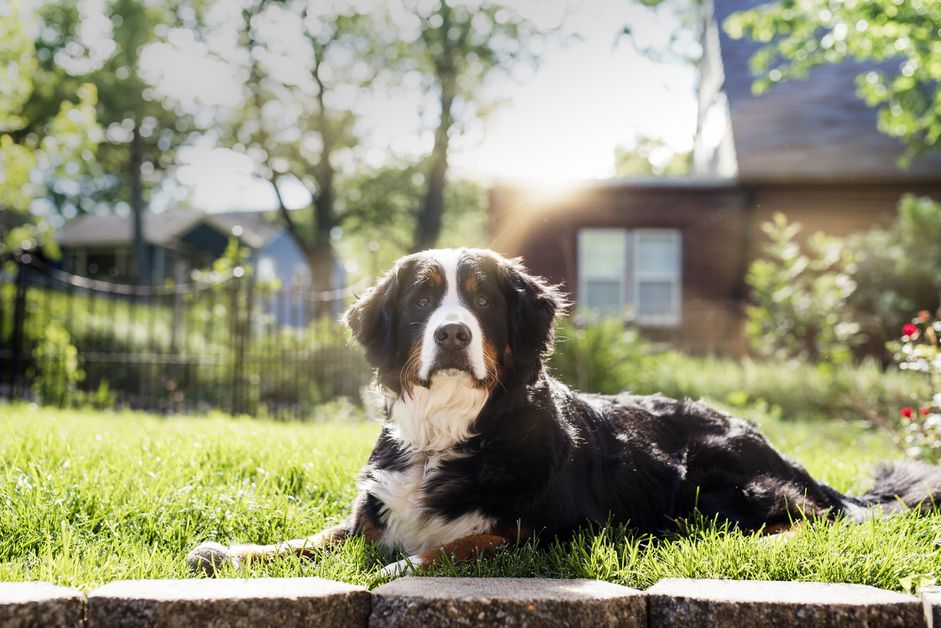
point(778, 532)
point(462, 549)
point(208, 557)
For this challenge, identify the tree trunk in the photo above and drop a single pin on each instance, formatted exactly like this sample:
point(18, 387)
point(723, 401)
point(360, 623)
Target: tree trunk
point(321, 254)
point(429, 216)
point(141, 263)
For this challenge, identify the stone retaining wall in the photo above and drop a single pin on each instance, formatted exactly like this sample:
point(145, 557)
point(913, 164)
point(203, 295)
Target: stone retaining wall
point(414, 602)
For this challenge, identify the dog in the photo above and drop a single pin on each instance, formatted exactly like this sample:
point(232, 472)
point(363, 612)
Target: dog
point(481, 446)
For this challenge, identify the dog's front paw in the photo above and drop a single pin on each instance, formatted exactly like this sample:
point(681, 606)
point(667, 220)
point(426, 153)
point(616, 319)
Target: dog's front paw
point(209, 557)
point(399, 568)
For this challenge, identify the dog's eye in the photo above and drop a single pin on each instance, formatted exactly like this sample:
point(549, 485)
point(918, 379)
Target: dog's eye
point(482, 301)
point(422, 302)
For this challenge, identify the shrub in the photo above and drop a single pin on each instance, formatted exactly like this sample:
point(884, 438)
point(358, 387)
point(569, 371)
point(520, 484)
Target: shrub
point(606, 357)
point(818, 300)
point(56, 363)
point(799, 297)
point(898, 269)
point(918, 351)
point(600, 355)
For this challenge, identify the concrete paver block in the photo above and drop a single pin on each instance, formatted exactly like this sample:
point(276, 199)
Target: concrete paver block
point(282, 602)
point(29, 604)
point(532, 602)
point(739, 603)
point(931, 596)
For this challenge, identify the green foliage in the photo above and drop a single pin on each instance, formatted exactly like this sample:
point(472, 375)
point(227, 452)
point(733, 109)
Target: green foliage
point(816, 300)
point(142, 131)
point(607, 357)
point(31, 153)
point(382, 203)
point(601, 355)
point(897, 269)
point(56, 360)
point(799, 35)
point(102, 398)
point(918, 351)
point(650, 156)
point(87, 498)
point(799, 296)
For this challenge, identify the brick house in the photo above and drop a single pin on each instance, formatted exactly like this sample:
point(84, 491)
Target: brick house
point(675, 251)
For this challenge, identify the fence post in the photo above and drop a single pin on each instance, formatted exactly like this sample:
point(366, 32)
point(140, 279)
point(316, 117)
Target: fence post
point(19, 322)
point(233, 346)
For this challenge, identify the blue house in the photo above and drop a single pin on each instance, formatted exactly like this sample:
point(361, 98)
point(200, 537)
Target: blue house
point(182, 240)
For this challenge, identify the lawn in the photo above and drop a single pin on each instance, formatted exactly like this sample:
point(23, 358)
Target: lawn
point(88, 497)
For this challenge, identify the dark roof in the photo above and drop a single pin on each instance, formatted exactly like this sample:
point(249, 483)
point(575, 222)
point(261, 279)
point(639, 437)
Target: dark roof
point(258, 227)
point(164, 228)
point(816, 128)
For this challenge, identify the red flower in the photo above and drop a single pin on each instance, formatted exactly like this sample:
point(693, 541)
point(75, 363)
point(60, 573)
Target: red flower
point(924, 410)
point(909, 330)
point(906, 412)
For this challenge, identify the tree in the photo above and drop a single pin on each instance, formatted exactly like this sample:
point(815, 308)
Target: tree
point(297, 126)
point(683, 44)
point(799, 35)
point(142, 132)
point(46, 151)
point(651, 156)
point(459, 48)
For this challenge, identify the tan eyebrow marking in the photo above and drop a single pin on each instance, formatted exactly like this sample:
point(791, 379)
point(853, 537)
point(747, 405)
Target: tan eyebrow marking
point(431, 274)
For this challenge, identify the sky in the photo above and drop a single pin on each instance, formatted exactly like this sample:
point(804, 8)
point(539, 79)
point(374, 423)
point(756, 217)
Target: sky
point(559, 121)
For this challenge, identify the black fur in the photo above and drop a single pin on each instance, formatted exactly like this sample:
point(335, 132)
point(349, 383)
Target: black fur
point(549, 459)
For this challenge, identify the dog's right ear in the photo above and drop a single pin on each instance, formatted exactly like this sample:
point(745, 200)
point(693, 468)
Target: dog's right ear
point(372, 317)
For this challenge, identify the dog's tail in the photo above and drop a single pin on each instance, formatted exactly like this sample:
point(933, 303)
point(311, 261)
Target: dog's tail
point(899, 486)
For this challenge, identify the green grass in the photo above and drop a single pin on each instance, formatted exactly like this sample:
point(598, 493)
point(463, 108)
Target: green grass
point(86, 498)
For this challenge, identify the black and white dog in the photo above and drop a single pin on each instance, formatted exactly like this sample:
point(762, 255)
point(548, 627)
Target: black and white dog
point(481, 446)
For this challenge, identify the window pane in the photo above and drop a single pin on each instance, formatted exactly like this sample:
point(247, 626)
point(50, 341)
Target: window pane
point(603, 294)
point(655, 298)
point(657, 252)
point(602, 253)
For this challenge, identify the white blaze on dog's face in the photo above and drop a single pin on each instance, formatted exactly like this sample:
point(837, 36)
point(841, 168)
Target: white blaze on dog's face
point(452, 341)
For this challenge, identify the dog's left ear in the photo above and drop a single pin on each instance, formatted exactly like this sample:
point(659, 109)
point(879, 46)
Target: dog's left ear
point(533, 304)
point(372, 318)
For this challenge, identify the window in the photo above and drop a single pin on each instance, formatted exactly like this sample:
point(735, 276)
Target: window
point(602, 269)
point(638, 270)
point(657, 276)
point(267, 269)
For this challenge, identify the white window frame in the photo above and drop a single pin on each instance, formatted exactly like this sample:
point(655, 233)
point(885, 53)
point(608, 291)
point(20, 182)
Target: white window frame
point(670, 319)
point(583, 278)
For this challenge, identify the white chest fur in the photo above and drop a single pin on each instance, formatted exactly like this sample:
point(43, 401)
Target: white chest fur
point(409, 525)
point(436, 418)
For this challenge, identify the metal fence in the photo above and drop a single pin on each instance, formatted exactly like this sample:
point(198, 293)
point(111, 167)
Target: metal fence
point(233, 343)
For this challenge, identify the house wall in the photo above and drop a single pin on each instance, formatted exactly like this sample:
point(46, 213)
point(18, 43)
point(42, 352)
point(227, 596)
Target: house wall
point(832, 209)
point(544, 233)
point(292, 271)
point(721, 233)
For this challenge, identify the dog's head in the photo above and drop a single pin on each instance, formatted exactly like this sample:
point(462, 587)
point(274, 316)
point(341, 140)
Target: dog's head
point(455, 313)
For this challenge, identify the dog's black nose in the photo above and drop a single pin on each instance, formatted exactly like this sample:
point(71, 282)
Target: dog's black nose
point(452, 336)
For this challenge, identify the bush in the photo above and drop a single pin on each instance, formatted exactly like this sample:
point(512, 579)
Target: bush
point(56, 363)
point(606, 357)
point(898, 270)
point(919, 352)
point(799, 296)
point(818, 300)
point(601, 355)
